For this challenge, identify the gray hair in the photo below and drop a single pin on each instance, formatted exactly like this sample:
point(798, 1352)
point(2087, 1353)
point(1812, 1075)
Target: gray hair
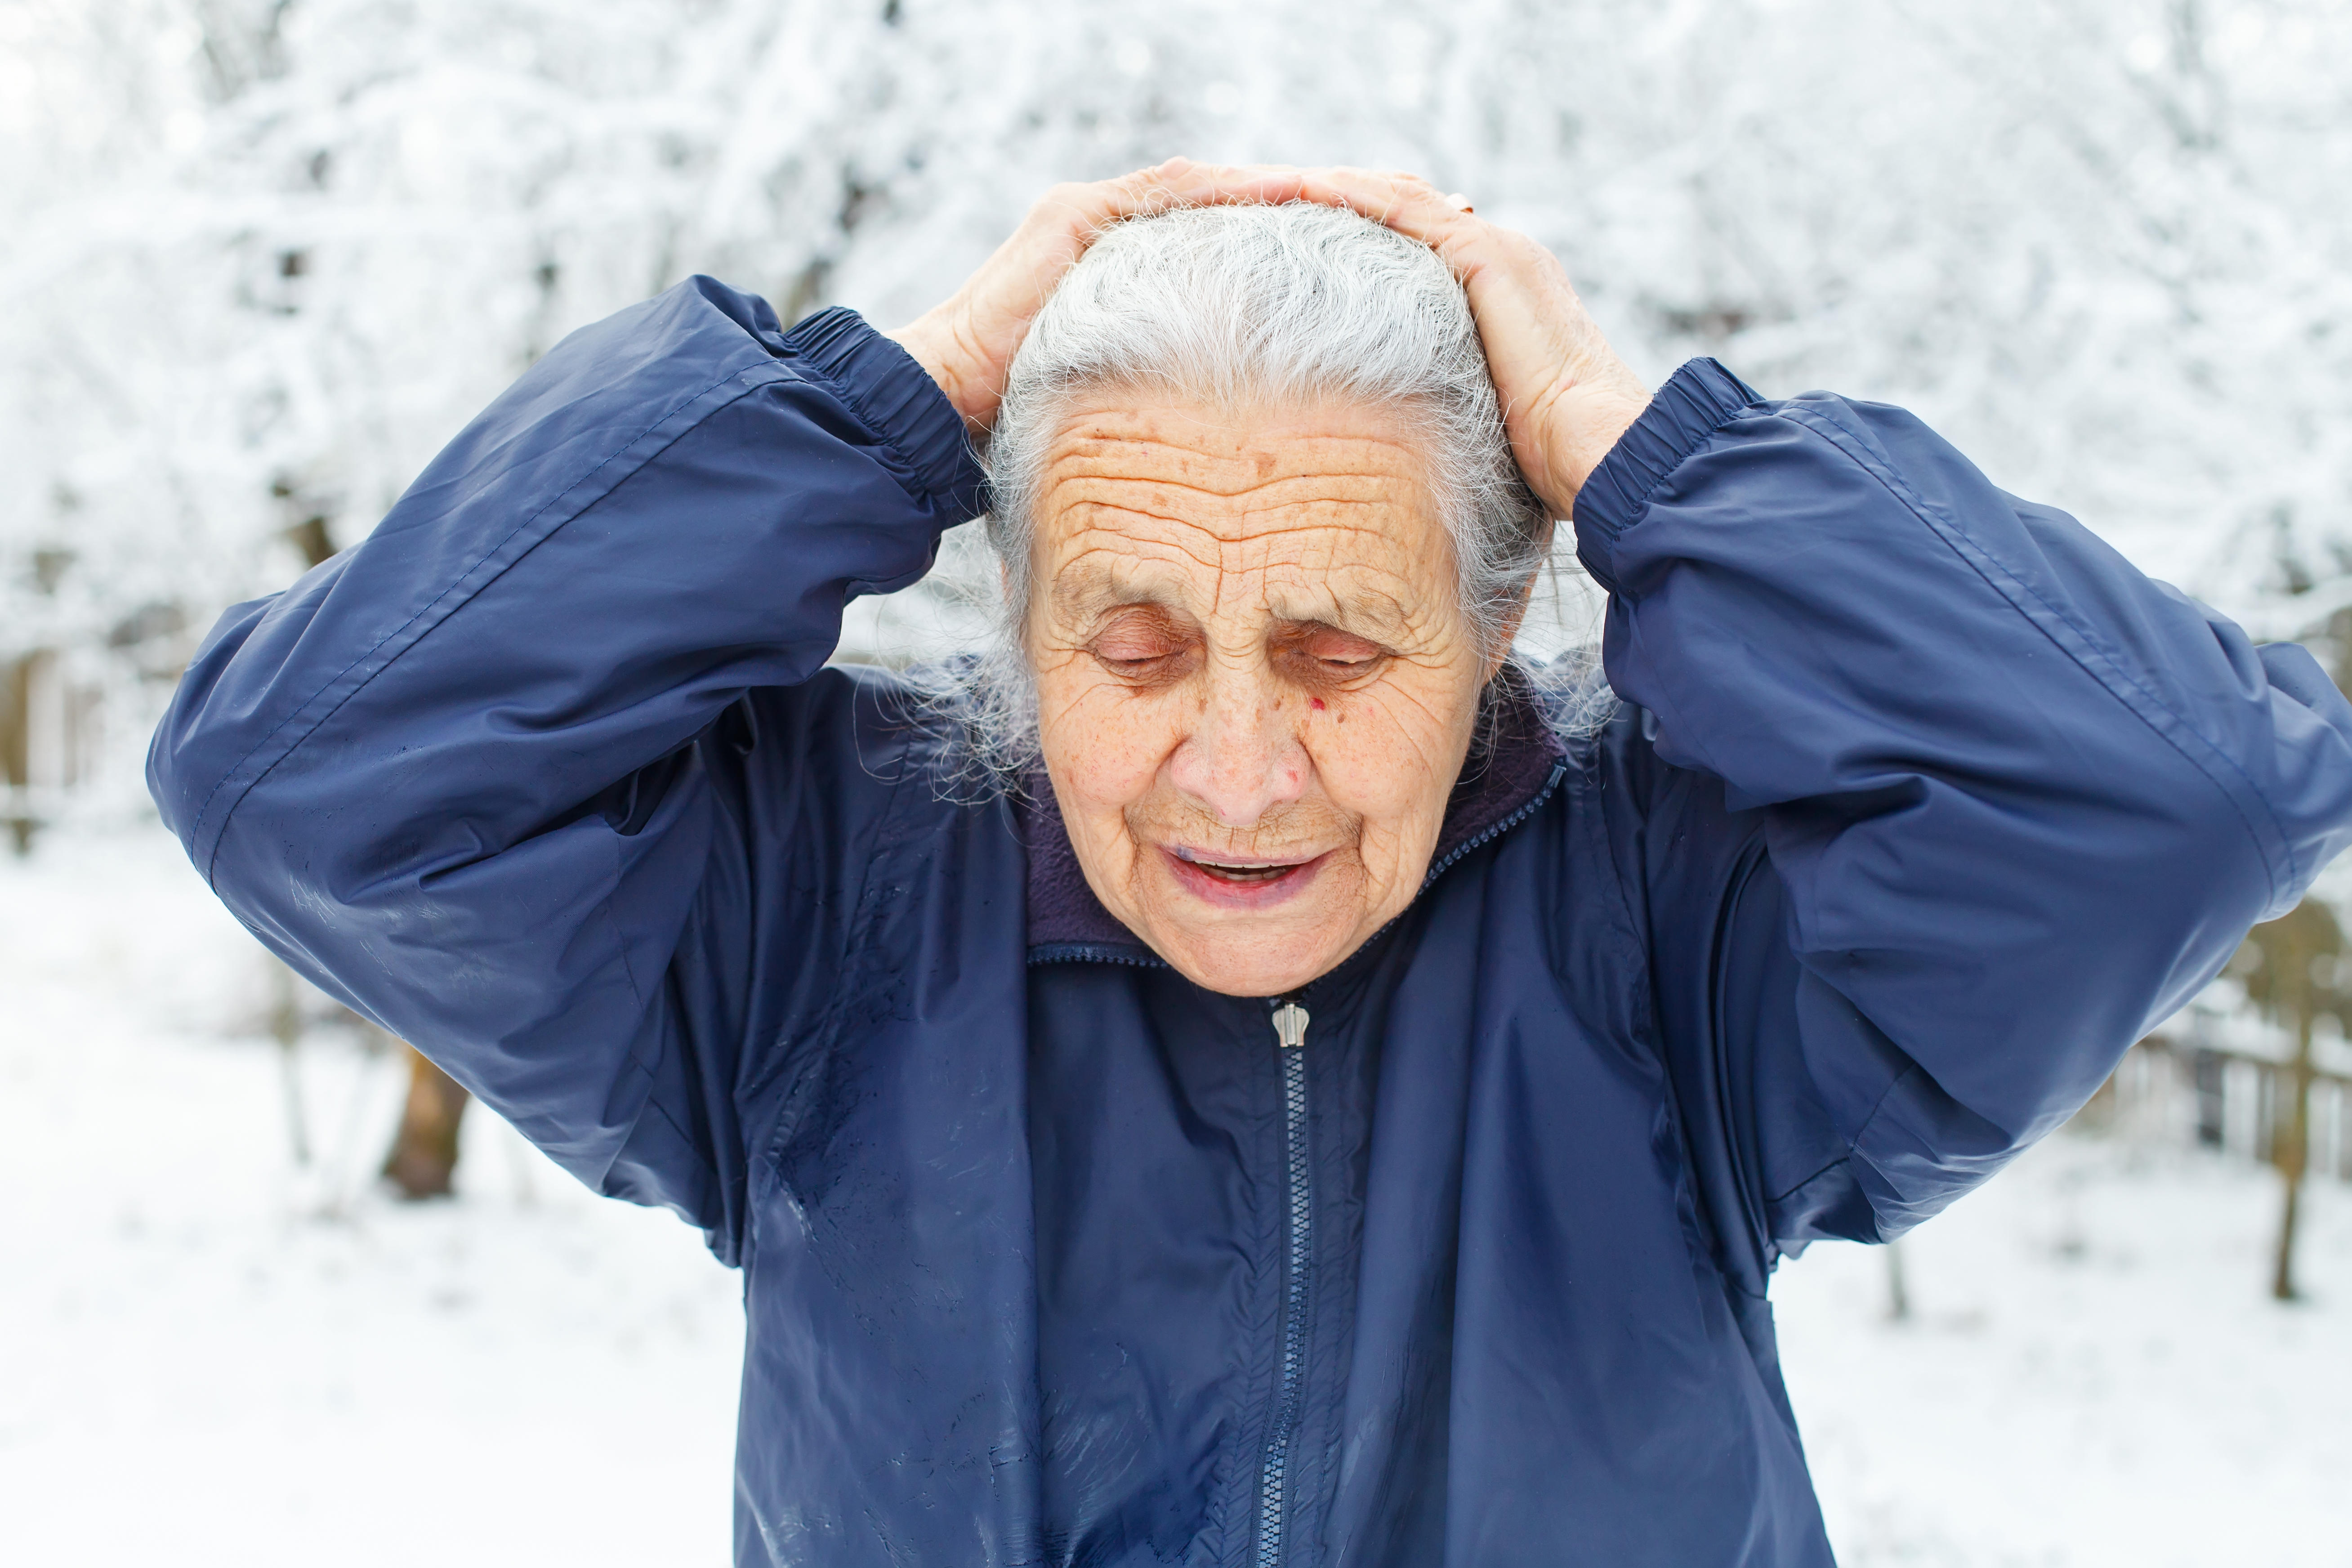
point(1244, 308)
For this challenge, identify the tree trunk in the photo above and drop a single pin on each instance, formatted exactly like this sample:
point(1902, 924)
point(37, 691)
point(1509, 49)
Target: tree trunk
point(2290, 1150)
point(2289, 1133)
point(424, 1150)
point(286, 1028)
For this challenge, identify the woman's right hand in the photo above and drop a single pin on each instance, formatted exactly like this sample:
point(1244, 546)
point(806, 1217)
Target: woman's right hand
point(968, 343)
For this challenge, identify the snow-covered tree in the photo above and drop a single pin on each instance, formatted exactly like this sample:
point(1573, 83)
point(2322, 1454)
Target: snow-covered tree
point(263, 256)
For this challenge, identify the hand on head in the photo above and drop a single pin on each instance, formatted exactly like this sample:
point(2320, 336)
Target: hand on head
point(968, 342)
point(1565, 394)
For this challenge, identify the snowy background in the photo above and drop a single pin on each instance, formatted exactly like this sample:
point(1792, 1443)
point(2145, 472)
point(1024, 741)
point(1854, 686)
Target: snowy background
point(259, 259)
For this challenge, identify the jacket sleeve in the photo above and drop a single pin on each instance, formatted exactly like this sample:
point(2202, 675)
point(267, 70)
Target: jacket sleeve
point(1946, 803)
point(499, 775)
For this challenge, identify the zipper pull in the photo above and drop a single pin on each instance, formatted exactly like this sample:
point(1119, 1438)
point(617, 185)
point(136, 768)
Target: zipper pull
point(1290, 1025)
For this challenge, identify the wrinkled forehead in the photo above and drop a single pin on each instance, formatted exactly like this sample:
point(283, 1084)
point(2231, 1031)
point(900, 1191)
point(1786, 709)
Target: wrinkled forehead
point(1296, 513)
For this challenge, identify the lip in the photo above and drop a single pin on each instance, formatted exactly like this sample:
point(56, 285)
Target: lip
point(1242, 895)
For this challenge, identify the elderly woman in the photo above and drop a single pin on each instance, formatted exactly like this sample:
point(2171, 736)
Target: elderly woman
point(1257, 1075)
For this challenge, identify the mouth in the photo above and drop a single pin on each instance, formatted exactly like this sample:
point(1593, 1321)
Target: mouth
point(1241, 882)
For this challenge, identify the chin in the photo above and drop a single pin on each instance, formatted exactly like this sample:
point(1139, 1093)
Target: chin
point(1239, 963)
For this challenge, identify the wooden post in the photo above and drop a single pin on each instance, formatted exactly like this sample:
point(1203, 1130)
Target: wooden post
point(47, 719)
point(2287, 987)
point(2291, 1145)
point(16, 679)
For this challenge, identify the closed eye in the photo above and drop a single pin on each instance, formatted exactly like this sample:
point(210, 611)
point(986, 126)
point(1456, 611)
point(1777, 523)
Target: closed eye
point(1138, 665)
point(1326, 654)
point(1144, 643)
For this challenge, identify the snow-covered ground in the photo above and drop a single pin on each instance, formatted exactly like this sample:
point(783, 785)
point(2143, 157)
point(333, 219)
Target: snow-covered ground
point(2094, 1373)
point(209, 1356)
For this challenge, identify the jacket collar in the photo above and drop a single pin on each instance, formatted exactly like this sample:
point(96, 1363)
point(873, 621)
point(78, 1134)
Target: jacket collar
point(1517, 762)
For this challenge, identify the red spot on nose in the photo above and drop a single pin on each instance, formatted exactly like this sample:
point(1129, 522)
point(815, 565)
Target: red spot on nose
point(1316, 703)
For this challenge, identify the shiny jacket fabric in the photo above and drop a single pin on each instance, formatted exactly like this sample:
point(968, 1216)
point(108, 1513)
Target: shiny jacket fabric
point(1921, 806)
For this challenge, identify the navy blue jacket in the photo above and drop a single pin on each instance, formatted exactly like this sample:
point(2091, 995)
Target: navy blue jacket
point(1923, 804)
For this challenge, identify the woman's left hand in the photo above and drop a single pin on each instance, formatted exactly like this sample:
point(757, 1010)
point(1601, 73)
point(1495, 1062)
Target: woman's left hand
point(1566, 395)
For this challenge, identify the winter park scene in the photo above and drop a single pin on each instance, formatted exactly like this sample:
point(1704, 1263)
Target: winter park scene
point(277, 1290)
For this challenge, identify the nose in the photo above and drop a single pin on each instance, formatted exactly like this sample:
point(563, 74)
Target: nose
point(1242, 758)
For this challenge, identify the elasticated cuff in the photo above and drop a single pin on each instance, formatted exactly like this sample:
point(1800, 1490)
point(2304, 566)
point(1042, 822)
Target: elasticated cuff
point(898, 401)
point(1694, 403)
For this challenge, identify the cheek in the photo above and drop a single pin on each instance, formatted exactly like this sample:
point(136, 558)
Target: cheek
point(1391, 754)
point(1102, 746)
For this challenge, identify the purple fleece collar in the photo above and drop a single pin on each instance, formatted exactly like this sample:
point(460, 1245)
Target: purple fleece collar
point(1498, 779)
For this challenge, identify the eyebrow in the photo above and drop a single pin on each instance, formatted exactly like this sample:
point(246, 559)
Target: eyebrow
point(1086, 590)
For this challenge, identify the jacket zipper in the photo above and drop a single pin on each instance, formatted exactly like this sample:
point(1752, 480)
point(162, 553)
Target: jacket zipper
point(1274, 1477)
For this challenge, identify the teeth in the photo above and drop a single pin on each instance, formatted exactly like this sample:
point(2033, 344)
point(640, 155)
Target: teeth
point(1244, 873)
point(1239, 870)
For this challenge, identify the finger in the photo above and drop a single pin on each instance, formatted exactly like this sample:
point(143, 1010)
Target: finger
point(1407, 204)
point(1206, 184)
point(1080, 212)
point(1069, 218)
point(1184, 181)
point(1404, 202)
point(1076, 215)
